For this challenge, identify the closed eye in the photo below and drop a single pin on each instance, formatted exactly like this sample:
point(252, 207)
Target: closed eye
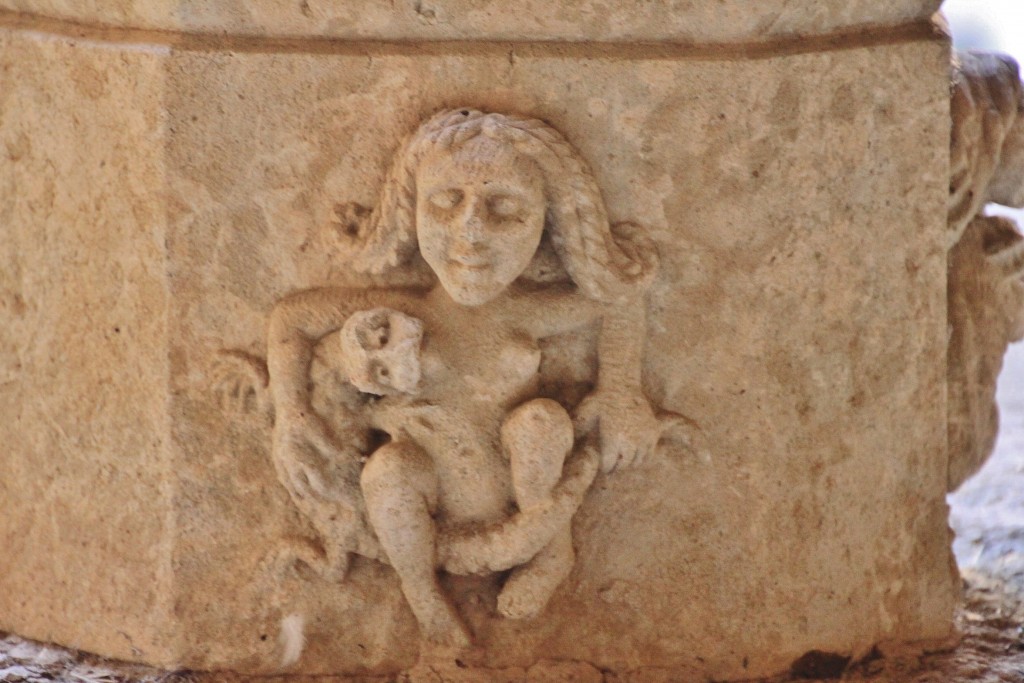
point(505, 206)
point(446, 199)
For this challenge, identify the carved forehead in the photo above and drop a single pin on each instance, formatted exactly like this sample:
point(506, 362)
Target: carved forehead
point(363, 321)
point(373, 316)
point(369, 330)
point(478, 159)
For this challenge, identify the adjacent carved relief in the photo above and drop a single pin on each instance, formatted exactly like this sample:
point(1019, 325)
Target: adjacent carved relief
point(986, 259)
point(412, 425)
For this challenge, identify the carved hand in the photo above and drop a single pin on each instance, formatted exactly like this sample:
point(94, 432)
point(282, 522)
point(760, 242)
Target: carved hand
point(629, 428)
point(311, 461)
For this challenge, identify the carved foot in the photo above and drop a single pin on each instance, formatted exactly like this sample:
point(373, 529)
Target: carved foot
point(529, 588)
point(442, 626)
point(332, 567)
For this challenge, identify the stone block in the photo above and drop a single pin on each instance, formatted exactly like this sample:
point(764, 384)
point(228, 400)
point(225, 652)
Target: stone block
point(679, 21)
point(160, 202)
point(87, 498)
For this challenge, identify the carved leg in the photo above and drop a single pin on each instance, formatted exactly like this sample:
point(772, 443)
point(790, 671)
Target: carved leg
point(530, 586)
point(400, 488)
point(517, 540)
point(537, 436)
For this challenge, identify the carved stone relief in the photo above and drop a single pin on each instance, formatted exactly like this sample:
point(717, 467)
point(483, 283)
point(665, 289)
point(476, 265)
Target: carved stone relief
point(986, 259)
point(414, 426)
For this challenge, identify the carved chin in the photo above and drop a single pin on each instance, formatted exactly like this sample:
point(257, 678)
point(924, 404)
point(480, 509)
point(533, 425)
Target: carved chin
point(472, 293)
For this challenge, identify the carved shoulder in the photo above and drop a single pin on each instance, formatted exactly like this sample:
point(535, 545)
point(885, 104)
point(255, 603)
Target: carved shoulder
point(552, 310)
point(313, 313)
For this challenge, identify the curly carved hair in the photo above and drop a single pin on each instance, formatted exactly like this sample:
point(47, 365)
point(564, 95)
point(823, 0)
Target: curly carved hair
point(603, 260)
point(987, 99)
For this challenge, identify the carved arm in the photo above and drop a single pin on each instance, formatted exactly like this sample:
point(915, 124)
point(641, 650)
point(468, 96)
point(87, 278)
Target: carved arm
point(312, 460)
point(553, 310)
point(628, 426)
point(299, 321)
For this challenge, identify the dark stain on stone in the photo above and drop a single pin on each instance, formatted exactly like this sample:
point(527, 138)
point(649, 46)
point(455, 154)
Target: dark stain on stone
point(819, 665)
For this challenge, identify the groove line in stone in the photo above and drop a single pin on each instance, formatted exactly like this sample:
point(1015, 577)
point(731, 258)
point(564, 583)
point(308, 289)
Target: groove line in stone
point(184, 41)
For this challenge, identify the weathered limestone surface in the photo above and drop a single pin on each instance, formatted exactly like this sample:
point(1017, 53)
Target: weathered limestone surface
point(687, 21)
point(86, 495)
point(158, 203)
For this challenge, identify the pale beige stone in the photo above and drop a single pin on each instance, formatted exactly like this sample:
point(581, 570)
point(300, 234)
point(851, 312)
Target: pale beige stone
point(797, 204)
point(685, 21)
point(728, 333)
point(474, 199)
point(86, 495)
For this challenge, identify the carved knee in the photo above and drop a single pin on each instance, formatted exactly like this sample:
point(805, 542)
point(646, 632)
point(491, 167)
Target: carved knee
point(540, 423)
point(536, 436)
point(398, 469)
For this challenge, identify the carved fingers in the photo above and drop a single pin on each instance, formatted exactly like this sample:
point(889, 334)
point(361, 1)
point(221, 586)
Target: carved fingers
point(637, 255)
point(629, 430)
point(586, 415)
point(304, 470)
point(580, 470)
point(240, 383)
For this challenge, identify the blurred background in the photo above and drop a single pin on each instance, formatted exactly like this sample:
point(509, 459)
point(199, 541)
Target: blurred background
point(987, 512)
point(987, 24)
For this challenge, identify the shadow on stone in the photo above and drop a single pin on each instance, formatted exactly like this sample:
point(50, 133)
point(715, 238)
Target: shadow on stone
point(817, 664)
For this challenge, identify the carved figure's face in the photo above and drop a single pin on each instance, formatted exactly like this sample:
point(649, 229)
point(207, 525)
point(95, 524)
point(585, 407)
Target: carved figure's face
point(380, 351)
point(1007, 186)
point(479, 217)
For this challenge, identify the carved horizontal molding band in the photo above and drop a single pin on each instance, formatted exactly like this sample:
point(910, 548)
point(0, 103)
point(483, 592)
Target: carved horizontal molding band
point(849, 39)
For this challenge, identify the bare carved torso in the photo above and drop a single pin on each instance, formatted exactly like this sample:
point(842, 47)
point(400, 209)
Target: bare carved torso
point(470, 383)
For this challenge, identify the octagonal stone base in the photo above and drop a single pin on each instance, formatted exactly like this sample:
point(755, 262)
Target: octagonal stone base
point(161, 190)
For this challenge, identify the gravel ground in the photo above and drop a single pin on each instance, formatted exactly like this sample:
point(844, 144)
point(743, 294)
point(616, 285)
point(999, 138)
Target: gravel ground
point(987, 515)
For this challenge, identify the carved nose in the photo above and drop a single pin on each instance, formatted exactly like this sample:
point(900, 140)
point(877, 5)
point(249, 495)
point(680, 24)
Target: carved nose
point(473, 222)
point(473, 230)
